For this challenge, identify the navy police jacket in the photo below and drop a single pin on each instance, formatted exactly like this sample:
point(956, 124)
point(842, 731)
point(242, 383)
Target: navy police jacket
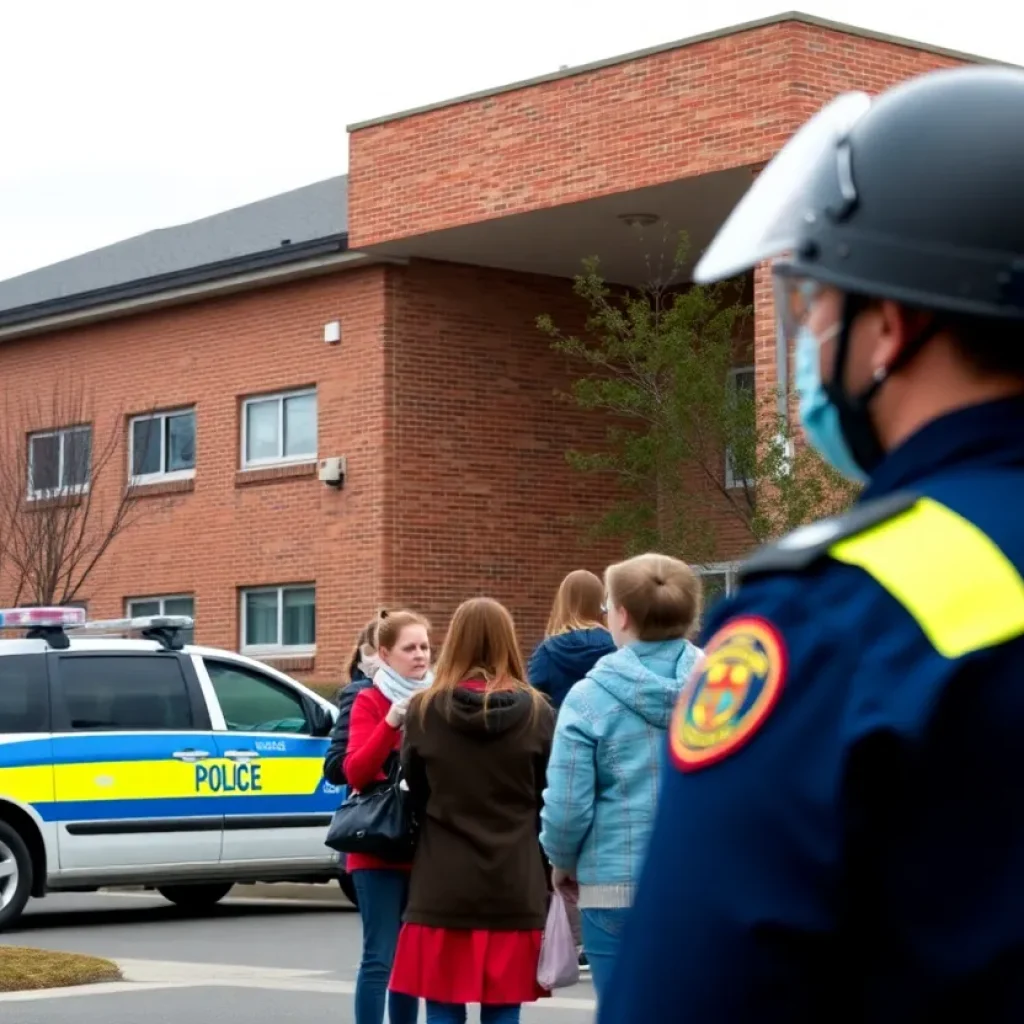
point(840, 835)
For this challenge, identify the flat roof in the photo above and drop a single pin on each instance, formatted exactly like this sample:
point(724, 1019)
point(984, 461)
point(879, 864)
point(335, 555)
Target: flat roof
point(722, 33)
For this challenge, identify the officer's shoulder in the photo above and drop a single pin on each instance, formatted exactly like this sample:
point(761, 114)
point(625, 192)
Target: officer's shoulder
point(806, 547)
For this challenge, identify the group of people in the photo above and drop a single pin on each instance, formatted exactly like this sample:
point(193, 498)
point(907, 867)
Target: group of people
point(526, 779)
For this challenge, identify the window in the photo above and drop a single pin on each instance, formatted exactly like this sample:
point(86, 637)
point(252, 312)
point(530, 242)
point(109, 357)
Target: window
point(125, 692)
point(163, 446)
point(182, 604)
point(742, 382)
point(253, 703)
point(24, 697)
point(719, 581)
point(279, 428)
point(58, 462)
point(279, 619)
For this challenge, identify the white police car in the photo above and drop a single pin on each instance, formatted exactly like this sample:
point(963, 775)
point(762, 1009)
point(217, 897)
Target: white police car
point(147, 762)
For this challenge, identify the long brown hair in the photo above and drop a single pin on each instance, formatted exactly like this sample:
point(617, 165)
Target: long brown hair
point(367, 638)
point(577, 603)
point(481, 644)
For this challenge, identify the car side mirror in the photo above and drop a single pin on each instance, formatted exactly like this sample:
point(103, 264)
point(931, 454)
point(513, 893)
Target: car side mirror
point(321, 721)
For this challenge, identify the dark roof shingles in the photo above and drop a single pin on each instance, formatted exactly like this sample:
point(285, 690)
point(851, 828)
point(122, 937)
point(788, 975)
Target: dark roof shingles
point(304, 214)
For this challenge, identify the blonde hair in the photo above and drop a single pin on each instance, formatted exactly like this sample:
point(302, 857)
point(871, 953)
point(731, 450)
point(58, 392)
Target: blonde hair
point(577, 603)
point(366, 642)
point(390, 628)
point(661, 595)
point(481, 644)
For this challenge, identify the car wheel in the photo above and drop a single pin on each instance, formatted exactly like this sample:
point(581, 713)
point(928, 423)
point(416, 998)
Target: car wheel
point(195, 897)
point(15, 875)
point(348, 888)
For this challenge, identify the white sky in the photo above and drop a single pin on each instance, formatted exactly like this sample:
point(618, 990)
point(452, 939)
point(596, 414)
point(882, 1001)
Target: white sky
point(118, 116)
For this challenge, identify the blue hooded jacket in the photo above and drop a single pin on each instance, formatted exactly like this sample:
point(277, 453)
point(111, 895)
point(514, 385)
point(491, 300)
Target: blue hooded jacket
point(562, 660)
point(605, 767)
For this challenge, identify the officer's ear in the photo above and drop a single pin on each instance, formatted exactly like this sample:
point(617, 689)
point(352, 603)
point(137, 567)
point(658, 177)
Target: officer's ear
point(895, 327)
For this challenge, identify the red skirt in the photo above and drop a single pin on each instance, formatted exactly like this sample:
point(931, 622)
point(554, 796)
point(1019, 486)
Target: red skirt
point(446, 965)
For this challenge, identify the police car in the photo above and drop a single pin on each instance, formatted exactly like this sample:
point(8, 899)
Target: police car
point(130, 758)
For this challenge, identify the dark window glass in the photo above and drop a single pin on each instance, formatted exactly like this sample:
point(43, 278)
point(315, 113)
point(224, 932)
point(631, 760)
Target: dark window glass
point(24, 700)
point(125, 692)
point(253, 703)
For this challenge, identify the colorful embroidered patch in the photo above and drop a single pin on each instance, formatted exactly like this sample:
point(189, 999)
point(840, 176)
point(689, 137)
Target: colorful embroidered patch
point(730, 694)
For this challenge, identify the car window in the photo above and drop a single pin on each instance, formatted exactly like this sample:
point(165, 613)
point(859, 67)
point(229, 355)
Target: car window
point(252, 702)
point(125, 692)
point(24, 697)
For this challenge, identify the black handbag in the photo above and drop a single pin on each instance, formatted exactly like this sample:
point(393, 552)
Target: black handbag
point(377, 821)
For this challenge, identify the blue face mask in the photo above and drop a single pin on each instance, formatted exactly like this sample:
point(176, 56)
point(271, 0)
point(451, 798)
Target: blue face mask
point(818, 416)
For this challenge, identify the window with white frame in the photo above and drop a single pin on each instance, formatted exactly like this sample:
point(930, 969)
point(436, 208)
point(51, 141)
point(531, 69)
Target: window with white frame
point(741, 384)
point(720, 580)
point(279, 429)
point(59, 461)
point(163, 446)
point(279, 620)
point(176, 604)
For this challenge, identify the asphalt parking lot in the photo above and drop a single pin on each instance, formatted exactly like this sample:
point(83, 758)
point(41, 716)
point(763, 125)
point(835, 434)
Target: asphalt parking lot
point(249, 960)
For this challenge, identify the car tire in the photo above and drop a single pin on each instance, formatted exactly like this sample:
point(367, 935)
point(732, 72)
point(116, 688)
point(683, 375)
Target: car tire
point(195, 897)
point(348, 888)
point(15, 874)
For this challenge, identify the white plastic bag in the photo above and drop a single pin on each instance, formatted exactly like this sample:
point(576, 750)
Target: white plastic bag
point(559, 965)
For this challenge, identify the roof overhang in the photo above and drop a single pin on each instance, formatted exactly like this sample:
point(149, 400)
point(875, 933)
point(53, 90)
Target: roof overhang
point(555, 241)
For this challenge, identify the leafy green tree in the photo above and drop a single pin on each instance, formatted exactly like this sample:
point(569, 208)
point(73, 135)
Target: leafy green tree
point(656, 361)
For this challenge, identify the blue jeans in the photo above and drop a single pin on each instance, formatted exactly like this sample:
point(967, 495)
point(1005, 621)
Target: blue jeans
point(382, 896)
point(602, 933)
point(455, 1013)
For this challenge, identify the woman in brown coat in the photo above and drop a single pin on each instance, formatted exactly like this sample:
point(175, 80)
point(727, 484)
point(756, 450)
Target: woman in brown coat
point(475, 754)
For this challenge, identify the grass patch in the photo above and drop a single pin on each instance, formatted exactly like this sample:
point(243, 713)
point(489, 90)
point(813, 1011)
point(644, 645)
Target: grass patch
point(22, 969)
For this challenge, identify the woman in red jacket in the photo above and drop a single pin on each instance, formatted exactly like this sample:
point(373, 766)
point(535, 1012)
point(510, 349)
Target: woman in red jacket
point(375, 736)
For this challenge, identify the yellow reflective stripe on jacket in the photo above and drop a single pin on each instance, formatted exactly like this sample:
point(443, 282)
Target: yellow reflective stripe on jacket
point(964, 593)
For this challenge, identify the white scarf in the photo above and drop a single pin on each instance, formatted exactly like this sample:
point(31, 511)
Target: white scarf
point(397, 688)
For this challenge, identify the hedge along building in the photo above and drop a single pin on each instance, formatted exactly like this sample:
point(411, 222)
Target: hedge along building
point(389, 319)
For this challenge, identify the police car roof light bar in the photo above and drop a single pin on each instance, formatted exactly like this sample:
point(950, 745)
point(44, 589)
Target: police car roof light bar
point(46, 623)
point(42, 618)
point(164, 629)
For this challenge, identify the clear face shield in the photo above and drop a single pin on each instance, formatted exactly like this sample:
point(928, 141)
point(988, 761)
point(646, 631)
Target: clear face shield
point(783, 203)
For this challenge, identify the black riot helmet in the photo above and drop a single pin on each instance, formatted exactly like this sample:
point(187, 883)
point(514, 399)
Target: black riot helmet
point(915, 196)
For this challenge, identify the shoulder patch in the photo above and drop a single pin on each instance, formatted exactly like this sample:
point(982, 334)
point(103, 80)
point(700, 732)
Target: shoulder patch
point(730, 694)
point(805, 546)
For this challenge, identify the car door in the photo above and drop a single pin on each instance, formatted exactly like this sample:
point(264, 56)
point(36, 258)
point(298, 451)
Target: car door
point(131, 731)
point(269, 772)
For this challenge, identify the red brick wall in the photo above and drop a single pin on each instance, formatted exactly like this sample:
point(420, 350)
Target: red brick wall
point(484, 501)
point(239, 529)
point(719, 103)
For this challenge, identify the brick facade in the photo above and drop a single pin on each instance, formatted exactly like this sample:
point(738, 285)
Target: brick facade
point(442, 392)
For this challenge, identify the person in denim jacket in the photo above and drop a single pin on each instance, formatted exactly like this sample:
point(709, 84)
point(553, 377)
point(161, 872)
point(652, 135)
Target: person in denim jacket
point(604, 773)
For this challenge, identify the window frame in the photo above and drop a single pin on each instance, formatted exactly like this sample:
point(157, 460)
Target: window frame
point(60, 491)
point(278, 649)
point(732, 483)
point(162, 599)
point(164, 475)
point(279, 460)
point(726, 569)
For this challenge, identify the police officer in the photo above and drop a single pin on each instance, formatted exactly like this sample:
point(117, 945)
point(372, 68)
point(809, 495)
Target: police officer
point(840, 833)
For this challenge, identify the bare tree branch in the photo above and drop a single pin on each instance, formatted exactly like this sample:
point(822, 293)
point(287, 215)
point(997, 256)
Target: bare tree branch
point(65, 492)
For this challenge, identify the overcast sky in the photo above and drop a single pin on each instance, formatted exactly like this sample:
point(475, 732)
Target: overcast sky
point(119, 117)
